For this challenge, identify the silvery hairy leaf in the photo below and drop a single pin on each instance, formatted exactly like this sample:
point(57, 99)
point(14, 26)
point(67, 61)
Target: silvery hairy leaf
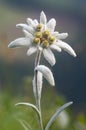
point(56, 114)
point(39, 84)
point(46, 73)
point(30, 105)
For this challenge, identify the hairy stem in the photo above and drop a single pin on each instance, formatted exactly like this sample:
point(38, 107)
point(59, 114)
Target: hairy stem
point(38, 98)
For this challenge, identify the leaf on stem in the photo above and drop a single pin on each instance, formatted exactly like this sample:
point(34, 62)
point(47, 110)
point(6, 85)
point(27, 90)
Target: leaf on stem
point(46, 73)
point(56, 114)
point(34, 86)
point(30, 105)
point(39, 82)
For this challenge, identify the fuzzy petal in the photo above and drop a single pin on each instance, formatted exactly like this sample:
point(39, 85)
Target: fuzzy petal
point(55, 47)
point(43, 18)
point(26, 27)
point(46, 73)
point(20, 42)
point(36, 21)
point(62, 35)
point(66, 47)
point(27, 34)
point(55, 33)
point(31, 51)
point(31, 22)
point(49, 56)
point(51, 24)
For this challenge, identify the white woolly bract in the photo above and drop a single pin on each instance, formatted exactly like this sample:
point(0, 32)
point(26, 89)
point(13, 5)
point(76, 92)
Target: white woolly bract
point(49, 56)
point(51, 24)
point(66, 47)
point(43, 18)
point(20, 42)
point(30, 29)
point(31, 51)
point(46, 73)
point(62, 35)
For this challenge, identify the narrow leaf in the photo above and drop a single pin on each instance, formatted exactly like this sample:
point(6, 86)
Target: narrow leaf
point(46, 73)
point(56, 114)
point(34, 87)
point(30, 105)
point(39, 82)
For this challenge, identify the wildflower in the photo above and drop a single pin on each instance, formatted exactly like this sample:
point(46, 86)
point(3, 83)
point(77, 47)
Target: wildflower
point(41, 36)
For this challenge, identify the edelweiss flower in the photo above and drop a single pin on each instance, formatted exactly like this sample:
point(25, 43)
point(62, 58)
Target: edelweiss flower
point(41, 36)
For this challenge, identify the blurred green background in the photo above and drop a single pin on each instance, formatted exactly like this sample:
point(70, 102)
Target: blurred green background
point(16, 67)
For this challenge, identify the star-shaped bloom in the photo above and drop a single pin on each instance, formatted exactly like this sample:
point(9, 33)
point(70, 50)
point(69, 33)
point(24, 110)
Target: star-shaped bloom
point(42, 36)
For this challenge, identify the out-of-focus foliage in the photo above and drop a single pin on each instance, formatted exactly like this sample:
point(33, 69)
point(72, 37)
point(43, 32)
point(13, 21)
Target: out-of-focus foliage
point(10, 115)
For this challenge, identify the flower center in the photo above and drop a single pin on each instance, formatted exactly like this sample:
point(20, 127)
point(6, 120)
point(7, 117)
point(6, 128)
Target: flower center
point(38, 34)
point(51, 38)
point(43, 38)
point(46, 33)
point(39, 27)
point(45, 43)
point(37, 40)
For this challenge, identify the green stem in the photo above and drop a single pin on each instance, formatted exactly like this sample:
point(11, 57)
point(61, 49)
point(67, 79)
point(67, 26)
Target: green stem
point(38, 98)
